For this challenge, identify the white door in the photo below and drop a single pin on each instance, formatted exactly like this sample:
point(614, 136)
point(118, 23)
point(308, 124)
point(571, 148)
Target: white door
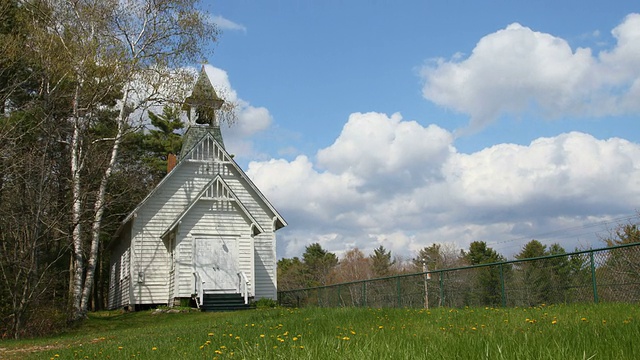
point(216, 262)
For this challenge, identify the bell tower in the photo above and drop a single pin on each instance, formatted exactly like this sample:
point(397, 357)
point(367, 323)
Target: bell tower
point(201, 107)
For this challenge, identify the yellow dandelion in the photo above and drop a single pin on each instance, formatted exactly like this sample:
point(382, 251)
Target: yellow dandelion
point(474, 328)
point(604, 322)
point(201, 347)
point(346, 338)
point(119, 347)
point(262, 335)
point(301, 347)
point(218, 352)
point(210, 334)
point(295, 338)
point(584, 319)
point(154, 348)
point(223, 347)
point(554, 322)
point(275, 346)
point(380, 327)
point(237, 337)
point(353, 332)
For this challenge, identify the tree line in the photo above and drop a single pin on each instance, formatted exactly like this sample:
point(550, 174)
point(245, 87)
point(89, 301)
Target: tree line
point(78, 147)
point(553, 277)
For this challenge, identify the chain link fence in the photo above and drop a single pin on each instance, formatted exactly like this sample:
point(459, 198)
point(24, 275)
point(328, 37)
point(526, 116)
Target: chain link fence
point(608, 275)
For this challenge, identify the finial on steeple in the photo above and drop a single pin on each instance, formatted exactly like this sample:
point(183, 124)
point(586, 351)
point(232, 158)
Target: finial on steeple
point(201, 106)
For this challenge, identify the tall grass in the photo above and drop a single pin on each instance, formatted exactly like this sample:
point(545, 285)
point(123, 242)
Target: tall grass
point(605, 331)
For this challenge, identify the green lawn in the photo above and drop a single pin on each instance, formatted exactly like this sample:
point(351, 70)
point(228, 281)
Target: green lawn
point(604, 331)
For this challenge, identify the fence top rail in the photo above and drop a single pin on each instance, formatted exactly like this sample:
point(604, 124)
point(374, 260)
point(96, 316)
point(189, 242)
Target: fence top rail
point(462, 268)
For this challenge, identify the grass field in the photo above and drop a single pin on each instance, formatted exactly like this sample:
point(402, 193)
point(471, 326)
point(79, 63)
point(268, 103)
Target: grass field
point(604, 331)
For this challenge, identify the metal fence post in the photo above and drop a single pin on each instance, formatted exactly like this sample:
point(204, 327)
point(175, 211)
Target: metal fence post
point(399, 300)
point(503, 296)
point(593, 278)
point(339, 298)
point(364, 293)
point(441, 302)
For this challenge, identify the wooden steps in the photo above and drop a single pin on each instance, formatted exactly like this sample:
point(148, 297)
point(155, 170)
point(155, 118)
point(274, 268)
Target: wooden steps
point(223, 302)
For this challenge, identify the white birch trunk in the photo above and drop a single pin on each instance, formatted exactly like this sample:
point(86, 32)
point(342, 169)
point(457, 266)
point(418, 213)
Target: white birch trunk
point(99, 209)
point(76, 210)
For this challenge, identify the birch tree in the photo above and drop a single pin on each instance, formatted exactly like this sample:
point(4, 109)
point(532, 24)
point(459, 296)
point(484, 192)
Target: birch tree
point(130, 55)
point(157, 39)
point(83, 59)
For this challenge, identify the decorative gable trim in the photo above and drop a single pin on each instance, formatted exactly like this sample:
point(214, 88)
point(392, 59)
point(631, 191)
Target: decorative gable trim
point(206, 153)
point(199, 153)
point(217, 190)
point(207, 150)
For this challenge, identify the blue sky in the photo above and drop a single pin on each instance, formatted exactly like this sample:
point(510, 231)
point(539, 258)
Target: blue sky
point(408, 123)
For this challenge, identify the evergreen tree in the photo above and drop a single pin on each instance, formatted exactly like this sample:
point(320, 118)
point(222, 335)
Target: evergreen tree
point(319, 263)
point(153, 146)
point(488, 278)
point(534, 276)
point(381, 262)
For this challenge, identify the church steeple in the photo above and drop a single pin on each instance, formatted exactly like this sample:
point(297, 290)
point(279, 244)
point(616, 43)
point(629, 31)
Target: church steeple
point(201, 107)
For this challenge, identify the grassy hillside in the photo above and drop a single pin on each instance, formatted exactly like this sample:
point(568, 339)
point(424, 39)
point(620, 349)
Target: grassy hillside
point(605, 331)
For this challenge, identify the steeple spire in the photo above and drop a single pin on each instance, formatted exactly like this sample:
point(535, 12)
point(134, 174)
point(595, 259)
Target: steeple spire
point(201, 107)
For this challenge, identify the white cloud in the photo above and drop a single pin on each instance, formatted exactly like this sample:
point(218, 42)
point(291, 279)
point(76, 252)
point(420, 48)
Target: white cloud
point(226, 24)
point(517, 70)
point(386, 151)
point(387, 181)
point(574, 168)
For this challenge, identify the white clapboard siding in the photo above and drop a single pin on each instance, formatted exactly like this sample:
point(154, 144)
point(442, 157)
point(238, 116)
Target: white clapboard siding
point(210, 218)
point(120, 271)
point(264, 244)
point(206, 194)
point(154, 217)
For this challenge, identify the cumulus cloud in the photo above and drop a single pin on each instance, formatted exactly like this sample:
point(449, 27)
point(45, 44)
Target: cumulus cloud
point(391, 182)
point(250, 119)
point(517, 70)
point(374, 146)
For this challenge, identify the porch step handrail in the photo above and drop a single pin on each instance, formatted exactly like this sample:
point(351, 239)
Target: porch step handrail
point(198, 288)
point(243, 286)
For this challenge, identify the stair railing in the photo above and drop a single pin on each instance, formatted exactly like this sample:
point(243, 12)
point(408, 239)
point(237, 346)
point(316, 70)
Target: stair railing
point(198, 288)
point(243, 286)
